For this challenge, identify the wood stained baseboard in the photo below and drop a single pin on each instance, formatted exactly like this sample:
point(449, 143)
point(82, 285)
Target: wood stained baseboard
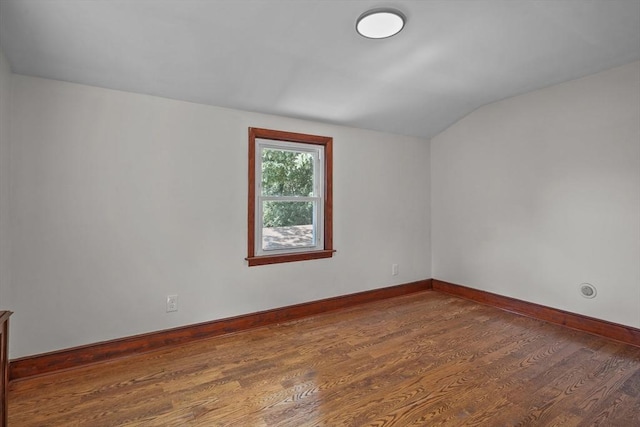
point(40, 364)
point(603, 328)
point(4, 368)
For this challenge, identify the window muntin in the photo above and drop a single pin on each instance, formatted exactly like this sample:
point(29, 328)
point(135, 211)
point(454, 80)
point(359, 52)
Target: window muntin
point(290, 197)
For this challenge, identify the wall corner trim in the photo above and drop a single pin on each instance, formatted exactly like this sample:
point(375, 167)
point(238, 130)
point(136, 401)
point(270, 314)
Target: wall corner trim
point(603, 328)
point(42, 364)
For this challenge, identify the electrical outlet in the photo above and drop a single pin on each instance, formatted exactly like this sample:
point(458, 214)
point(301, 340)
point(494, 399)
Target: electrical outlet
point(394, 269)
point(172, 303)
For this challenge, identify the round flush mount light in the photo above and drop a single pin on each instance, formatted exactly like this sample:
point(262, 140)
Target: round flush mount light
point(380, 23)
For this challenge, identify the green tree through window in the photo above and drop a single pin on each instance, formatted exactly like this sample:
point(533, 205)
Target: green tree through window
point(287, 173)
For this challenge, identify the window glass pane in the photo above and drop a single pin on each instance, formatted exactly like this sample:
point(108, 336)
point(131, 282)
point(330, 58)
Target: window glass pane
point(287, 173)
point(287, 225)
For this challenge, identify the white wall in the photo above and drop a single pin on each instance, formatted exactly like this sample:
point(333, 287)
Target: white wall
point(536, 194)
point(119, 199)
point(5, 97)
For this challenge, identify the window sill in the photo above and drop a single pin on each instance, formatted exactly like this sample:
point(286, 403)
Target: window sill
point(299, 256)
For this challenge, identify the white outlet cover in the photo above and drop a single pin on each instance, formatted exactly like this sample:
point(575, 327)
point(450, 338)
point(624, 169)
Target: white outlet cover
point(394, 269)
point(172, 303)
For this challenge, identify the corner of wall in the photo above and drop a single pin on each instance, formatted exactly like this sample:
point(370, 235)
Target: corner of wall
point(5, 247)
point(535, 194)
point(430, 209)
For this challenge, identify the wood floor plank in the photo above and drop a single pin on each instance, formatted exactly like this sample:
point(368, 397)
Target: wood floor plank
point(425, 359)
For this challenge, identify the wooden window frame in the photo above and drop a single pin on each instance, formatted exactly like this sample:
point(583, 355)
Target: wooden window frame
point(327, 251)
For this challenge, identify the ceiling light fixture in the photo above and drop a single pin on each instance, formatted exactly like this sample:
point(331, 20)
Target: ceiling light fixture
point(380, 23)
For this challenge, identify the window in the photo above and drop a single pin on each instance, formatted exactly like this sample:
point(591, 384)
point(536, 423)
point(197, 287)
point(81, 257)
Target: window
point(290, 197)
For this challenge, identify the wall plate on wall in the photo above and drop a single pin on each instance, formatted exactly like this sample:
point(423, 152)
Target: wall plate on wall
point(587, 290)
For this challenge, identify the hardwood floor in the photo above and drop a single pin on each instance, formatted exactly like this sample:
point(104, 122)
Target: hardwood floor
point(424, 359)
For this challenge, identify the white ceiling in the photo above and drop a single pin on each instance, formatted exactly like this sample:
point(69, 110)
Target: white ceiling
point(303, 58)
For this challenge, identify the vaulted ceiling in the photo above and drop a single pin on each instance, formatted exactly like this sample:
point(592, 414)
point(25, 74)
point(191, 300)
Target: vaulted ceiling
point(303, 58)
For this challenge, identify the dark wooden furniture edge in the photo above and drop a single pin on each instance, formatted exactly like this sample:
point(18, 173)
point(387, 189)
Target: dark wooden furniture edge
point(4, 368)
point(40, 364)
point(603, 328)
